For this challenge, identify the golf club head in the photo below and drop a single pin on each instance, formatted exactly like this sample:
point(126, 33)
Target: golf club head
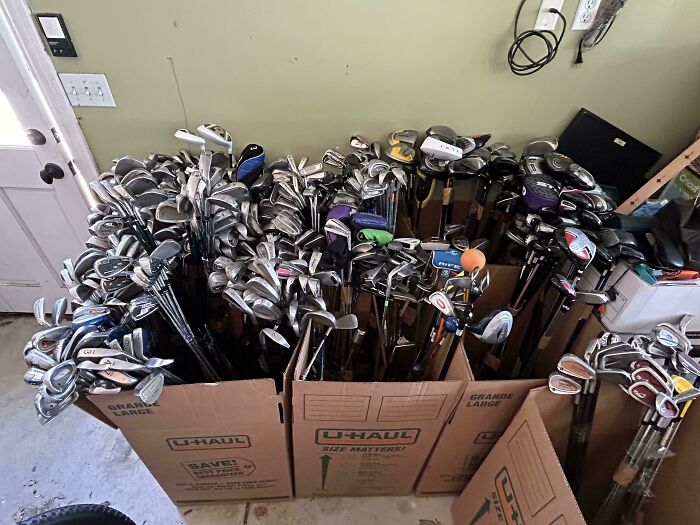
point(442, 302)
point(561, 384)
point(494, 327)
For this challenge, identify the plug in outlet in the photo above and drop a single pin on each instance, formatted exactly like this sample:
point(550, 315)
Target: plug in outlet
point(545, 19)
point(585, 15)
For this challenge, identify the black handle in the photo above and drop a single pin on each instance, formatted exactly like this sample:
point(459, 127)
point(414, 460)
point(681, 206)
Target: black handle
point(50, 172)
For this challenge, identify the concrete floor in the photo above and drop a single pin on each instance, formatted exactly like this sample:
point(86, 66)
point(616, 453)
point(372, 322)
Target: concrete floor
point(76, 459)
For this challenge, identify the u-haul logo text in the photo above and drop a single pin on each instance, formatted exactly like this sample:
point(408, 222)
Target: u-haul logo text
point(209, 442)
point(338, 436)
point(506, 496)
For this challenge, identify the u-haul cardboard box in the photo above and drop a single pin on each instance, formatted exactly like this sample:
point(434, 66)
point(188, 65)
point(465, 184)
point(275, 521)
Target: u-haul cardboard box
point(209, 442)
point(366, 439)
point(522, 481)
point(486, 408)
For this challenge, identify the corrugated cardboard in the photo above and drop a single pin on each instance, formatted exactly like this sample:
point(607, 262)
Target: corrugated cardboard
point(366, 439)
point(483, 413)
point(522, 481)
point(209, 442)
point(485, 408)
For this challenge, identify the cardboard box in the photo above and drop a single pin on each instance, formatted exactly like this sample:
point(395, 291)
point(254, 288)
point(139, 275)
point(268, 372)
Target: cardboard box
point(522, 481)
point(211, 442)
point(639, 306)
point(485, 408)
point(482, 415)
point(366, 439)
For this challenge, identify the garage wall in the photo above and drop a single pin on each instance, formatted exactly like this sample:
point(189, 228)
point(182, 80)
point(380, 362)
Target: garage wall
point(302, 76)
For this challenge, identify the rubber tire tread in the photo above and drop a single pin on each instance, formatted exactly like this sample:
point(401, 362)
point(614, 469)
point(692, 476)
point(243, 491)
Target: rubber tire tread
point(84, 514)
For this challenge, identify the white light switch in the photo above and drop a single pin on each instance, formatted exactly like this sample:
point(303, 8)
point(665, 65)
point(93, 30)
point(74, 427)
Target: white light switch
point(87, 89)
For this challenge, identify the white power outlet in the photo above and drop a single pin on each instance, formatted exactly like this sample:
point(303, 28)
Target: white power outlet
point(545, 19)
point(87, 89)
point(585, 14)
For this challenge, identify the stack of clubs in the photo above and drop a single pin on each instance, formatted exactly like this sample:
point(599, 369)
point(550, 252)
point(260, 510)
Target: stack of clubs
point(657, 371)
point(152, 274)
point(459, 285)
point(94, 354)
point(448, 157)
point(111, 240)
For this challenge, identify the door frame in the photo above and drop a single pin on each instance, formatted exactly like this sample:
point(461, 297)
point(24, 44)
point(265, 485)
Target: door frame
point(29, 51)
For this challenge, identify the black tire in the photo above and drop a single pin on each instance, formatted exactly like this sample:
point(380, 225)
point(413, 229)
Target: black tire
point(80, 515)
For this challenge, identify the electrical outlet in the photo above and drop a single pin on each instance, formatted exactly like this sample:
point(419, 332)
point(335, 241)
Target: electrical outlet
point(585, 15)
point(545, 19)
point(87, 89)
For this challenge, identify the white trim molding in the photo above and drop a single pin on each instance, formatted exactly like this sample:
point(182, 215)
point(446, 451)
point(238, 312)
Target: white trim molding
point(59, 112)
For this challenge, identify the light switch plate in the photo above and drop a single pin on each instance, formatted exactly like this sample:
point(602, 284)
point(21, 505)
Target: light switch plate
point(545, 19)
point(87, 90)
point(585, 15)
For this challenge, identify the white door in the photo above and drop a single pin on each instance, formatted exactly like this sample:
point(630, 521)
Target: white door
point(40, 224)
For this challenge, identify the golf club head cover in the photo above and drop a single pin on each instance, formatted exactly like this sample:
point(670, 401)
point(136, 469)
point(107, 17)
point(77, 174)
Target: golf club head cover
point(540, 191)
point(380, 237)
point(448, 260)
point(340, 211)
point(373, 221)
point(250, 164)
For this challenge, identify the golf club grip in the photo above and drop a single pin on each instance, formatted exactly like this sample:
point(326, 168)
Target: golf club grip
point(576, 450)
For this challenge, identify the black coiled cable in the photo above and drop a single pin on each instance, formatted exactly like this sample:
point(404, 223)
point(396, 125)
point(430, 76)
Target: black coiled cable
point(550, 39)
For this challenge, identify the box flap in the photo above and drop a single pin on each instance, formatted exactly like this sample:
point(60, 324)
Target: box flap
point(185, 406)
point(521, 480)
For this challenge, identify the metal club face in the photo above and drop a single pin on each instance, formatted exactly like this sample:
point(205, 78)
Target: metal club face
point(150, 388)
point(346, 322)
point(59, 311)
point(576, 367)
point(275, 337)
point(666, 406)
point(442, 302)
point(320, 317)
point(39, 314)
point(643, 393)
point(563, 385)
point(650, 376)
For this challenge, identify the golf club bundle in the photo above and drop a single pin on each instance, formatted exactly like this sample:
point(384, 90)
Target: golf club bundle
point(289, 244)
point(657, 371)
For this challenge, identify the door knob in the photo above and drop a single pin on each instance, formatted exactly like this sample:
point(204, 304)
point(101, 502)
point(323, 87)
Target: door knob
point(50, 172)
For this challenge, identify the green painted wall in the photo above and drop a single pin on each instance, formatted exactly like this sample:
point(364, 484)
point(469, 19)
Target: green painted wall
point(302, 76)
